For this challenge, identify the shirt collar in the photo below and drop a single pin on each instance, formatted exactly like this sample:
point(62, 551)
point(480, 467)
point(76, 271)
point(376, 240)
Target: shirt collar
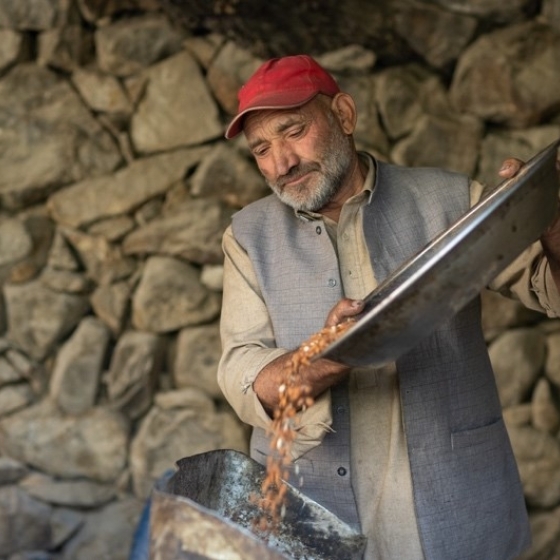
point(366, 192)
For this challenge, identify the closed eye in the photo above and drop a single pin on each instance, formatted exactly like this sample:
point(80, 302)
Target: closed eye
point(295, 132)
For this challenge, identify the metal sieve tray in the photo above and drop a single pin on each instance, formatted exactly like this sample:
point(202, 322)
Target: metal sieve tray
point(454, 268)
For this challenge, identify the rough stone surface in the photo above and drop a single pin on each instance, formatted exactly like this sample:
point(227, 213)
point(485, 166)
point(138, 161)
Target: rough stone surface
point(94, 444)
point(161, 122)
point(117, 184)
point(67, 144)
point(186, 426)
point(112, 195)
point(505, 76)
point(76, 374)
point(193, 233)
point(517, 358)
point(38, 317)
point(170, 296)
point(196, 360)
point(24, 522)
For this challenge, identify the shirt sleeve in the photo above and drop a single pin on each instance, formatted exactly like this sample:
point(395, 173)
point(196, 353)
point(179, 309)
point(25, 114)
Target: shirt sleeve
point(248, 345)
point(527, 278)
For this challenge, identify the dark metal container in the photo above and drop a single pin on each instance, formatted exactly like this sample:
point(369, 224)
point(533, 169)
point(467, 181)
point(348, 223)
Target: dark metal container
point(204, 511)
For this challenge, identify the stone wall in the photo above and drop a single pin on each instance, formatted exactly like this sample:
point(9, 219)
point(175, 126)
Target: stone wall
point(115, 189)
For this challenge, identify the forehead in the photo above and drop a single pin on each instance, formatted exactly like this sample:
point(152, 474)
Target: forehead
point(267, 122)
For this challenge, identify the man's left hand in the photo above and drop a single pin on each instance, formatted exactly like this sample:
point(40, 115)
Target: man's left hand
point(550, 238)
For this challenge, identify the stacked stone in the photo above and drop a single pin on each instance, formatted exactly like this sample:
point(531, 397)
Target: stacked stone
point(115, 190)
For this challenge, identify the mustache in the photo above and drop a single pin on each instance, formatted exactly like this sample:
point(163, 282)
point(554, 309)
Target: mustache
point(297, 172)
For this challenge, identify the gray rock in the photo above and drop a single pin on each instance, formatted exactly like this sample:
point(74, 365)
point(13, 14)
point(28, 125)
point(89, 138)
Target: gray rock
point(106, 533)
point(441, 141)
point(193, 233)
point(34, 15)
point(61, 256)
point(49, 137)
point(102, 92)
point(77, 370)
point(177, 108)
point(550, 12)
point(20, 362)
point(64, 524)
point(518, 415)
point(228, 71)
point(66, 281)
point(148, 211)
point(398, 93)
point(172, 431)
point(352, 59)
point(170, 296)
point(212, 277)
point(132, 44)
point(439, 36)
point(110, 303)
point(369, 133)
point(132, 376)
point(545, 414)
point(196, 360)
point(40, 229)
point(24, 522)
point(492, 9)
point(517, 358)
point(93, 10)
point(11, 470)
point(15, 397)
point(204, 47)
point(74, 493)
point(8, 373)
point(112, 229)
point(500, 313)
point(497, 146)
point(113, 195)
point(103, 261)
point(94, 444)
point(538, 458)
point(227, 175)
point(33, 555)
point(65, 48)
point(15, 244)
point(10, 47)
point(509, 76)
point(38, 318)
point(552, 364)
point(545, 535)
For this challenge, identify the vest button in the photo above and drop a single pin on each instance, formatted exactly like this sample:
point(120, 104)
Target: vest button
point(340, 409)
point(332, 282)
point(341, 471)
point(318, 230)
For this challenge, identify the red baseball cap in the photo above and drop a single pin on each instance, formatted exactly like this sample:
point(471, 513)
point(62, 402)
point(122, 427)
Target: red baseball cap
point(282, 83)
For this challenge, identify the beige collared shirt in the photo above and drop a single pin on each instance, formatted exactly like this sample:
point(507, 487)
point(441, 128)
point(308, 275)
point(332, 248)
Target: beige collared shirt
point(379, 459)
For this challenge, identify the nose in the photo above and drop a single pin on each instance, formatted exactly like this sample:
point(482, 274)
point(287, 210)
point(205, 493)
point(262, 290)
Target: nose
point(285, 158)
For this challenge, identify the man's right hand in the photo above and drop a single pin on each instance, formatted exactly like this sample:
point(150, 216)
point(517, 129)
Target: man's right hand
point(319, 375)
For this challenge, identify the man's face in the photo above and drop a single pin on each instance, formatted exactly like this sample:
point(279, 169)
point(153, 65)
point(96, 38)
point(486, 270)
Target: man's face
point(302, 153)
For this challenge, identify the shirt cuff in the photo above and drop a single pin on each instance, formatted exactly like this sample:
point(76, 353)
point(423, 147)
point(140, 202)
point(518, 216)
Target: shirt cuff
point(545, 290)
point(310, 425)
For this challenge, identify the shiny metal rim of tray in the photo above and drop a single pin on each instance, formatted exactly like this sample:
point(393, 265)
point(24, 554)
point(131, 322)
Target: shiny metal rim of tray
point(453, 269)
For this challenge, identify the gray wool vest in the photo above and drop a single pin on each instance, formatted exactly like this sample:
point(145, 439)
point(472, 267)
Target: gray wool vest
point(467, 493)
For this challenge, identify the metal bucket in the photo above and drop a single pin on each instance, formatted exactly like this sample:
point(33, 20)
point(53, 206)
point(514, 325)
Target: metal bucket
point(204, 511)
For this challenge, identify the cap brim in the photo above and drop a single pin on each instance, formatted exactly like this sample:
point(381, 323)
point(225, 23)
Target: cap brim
point(236, 125)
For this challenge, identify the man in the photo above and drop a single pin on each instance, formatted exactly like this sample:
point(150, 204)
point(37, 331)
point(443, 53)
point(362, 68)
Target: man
point(414, 454)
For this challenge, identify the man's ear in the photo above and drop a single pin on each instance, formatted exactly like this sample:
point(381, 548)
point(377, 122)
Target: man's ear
point(344, 108)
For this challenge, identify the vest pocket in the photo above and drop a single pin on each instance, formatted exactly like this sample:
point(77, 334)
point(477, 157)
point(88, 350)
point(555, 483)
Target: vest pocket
point(480, 439)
